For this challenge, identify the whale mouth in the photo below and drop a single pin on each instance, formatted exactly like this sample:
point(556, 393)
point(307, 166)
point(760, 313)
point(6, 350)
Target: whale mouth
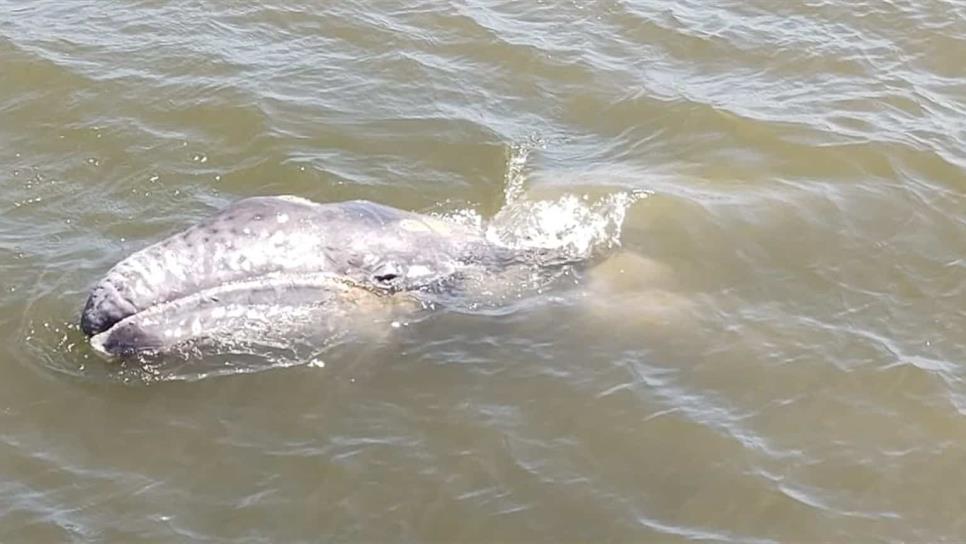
point(229, 310)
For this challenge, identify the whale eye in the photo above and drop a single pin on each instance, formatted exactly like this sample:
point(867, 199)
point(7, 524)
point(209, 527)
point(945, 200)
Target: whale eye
point(386, 278)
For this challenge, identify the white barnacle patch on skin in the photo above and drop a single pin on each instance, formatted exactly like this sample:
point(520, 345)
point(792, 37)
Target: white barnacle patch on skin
point(172, 264)
point(419, 270)
point(247, 230)
point(281, 217)
point(147, 273)
point(413, 225)
point(278, 238)
point(296, 199)
point(141, 288)
point(438, 226)
point(217, 255)
point(245, 264)
point(256, 260)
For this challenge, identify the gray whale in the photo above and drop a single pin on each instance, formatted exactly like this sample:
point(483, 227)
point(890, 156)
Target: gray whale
point(266, 252)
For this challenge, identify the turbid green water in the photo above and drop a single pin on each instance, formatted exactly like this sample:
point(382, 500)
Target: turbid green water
point(777, 355)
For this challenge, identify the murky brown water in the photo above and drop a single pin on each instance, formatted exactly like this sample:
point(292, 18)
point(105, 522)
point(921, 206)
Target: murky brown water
point(778, 354)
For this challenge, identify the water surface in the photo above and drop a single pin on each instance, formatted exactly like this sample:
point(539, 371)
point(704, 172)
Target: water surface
point(776, 354)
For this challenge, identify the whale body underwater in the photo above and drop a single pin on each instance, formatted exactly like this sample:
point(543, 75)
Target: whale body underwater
point(266, 252)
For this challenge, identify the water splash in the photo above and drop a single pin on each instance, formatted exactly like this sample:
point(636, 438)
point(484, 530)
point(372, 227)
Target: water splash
point(514, 180)
point(573, 226)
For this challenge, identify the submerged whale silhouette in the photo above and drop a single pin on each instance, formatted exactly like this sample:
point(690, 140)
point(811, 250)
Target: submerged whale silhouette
point(262, 253)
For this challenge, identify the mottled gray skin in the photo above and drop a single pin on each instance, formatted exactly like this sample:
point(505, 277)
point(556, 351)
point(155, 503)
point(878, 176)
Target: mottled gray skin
point(266, 251)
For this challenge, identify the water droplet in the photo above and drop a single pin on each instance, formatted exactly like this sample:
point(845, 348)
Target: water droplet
point(200, 157)
point(154, 178)
point(93, 161)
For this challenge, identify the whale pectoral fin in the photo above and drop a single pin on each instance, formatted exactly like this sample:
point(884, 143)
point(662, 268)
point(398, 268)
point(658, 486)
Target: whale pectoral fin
point(633, 292)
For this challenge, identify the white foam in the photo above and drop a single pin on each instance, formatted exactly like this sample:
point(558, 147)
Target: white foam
point(575, 226)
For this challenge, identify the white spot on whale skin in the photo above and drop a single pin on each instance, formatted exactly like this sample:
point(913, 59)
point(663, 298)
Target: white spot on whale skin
point(413, 226)
point(296, 199)
point(419, 270)
point(282, 218)
point(279, 238)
